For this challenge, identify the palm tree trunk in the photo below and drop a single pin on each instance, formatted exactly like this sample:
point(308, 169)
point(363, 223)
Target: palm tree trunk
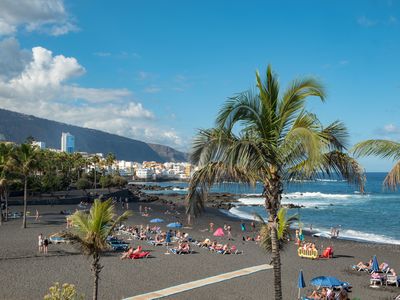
point(95, 185)
point(1, 209)
point(96, 268)
point(6, 203)
point(273, 192)
point(25, 200)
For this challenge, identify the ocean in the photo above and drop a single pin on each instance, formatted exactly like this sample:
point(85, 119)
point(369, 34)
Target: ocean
point(370, 217)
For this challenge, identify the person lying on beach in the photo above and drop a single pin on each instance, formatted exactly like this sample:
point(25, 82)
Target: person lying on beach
point(215, 246)
point(127, 254)
point(205, 243)
point(159, 239)
point(383, 267)
point(362, 265)
point(319, 296)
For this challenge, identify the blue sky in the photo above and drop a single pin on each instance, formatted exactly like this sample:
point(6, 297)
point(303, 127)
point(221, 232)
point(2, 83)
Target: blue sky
point(158, 70)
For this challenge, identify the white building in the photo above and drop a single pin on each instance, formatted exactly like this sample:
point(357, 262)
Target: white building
point(40, 145)
point(145, 173)
point(67, 142)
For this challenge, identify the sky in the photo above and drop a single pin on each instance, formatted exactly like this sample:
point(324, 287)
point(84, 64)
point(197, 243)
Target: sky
point(158, 71)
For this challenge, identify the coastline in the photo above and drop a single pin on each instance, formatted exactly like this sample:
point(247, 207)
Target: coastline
point(30, 274)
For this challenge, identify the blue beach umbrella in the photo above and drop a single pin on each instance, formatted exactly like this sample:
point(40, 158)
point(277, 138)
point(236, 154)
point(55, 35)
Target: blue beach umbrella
point(301, 284)
point(174, 225)
point(156, 220)
point(375, 265)
point(326, 281)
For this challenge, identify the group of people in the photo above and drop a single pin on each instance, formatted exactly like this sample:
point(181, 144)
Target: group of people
point(43, 243)
point(329, 294)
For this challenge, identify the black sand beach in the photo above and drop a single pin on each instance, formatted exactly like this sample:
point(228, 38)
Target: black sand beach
point(26, 274)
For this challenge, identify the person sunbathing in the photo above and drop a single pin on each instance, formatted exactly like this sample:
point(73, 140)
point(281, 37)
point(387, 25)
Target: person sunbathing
point(205, 243)
point(383, 267)
point(319, 296)
point(127, 254)
point(362, 265)
point(215, 246)
point(159, 239)
point(137, 251)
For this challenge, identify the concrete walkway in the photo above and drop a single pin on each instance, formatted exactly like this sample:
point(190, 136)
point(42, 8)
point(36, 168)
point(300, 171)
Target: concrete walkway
point(199, 283)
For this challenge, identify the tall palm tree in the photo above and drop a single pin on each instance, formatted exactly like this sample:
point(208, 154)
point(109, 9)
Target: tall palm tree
point(384, 149)
point(6, 150)
point(95, 160)
point(91, 231)
point(26, 162)
point(110, 160)
point(267, 136)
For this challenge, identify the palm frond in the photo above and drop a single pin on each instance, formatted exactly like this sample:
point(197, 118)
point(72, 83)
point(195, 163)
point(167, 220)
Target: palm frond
point(380, 148)
point(334, 163)
point(283, 223)
point(392, 179)
point(293, 100)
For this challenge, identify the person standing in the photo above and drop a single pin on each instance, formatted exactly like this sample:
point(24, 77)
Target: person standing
point(140, 208)
point(211, 227)
point(45, 245)
point(253, 226)
point(37, 216)
point(229, 229)
point(243, 227)
point(40, 242)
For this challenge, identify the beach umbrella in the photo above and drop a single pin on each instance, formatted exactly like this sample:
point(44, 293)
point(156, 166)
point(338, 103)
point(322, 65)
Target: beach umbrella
point(375, 265)
point(301, 284)
point(174, 225)
point(326, 281)
point(219, 232)
point(156, 220)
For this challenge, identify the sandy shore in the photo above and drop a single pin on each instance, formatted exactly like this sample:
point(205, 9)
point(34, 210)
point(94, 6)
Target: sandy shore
point(26, 274)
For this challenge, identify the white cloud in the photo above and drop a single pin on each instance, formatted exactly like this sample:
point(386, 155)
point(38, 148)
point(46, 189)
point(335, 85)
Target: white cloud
point(152, 89)
point(49, 16)
point(38, 82)
point(102, 54)
point(366, 22)
point(391, 129)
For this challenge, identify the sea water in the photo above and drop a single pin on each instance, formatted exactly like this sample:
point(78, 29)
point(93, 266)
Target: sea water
point(373, 216)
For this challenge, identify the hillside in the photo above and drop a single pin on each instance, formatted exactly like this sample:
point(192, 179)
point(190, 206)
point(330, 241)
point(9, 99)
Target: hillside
point(16, 127)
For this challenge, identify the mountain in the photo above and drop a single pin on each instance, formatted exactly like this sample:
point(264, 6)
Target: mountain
point(16, 127)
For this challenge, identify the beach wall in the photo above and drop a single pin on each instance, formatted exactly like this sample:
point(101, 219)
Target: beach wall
point(61, 199)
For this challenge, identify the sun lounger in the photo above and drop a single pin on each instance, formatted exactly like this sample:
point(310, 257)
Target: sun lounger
point(376, 278)
point(307, 253)
point(392, 279)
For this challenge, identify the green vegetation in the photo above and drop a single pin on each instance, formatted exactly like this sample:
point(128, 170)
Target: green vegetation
point(91, 231)
point(282, 227)
point(63, 292)
point(383, 149)
point(266, 135)
point(32, 170)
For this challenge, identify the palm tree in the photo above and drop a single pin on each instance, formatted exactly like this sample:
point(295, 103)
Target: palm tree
point(384, 149)
point(26, 162)
point(91, 232)
point(283, 229)
point(110, 160)
point(6, 150)
point(266, 136)
point(95, 161)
